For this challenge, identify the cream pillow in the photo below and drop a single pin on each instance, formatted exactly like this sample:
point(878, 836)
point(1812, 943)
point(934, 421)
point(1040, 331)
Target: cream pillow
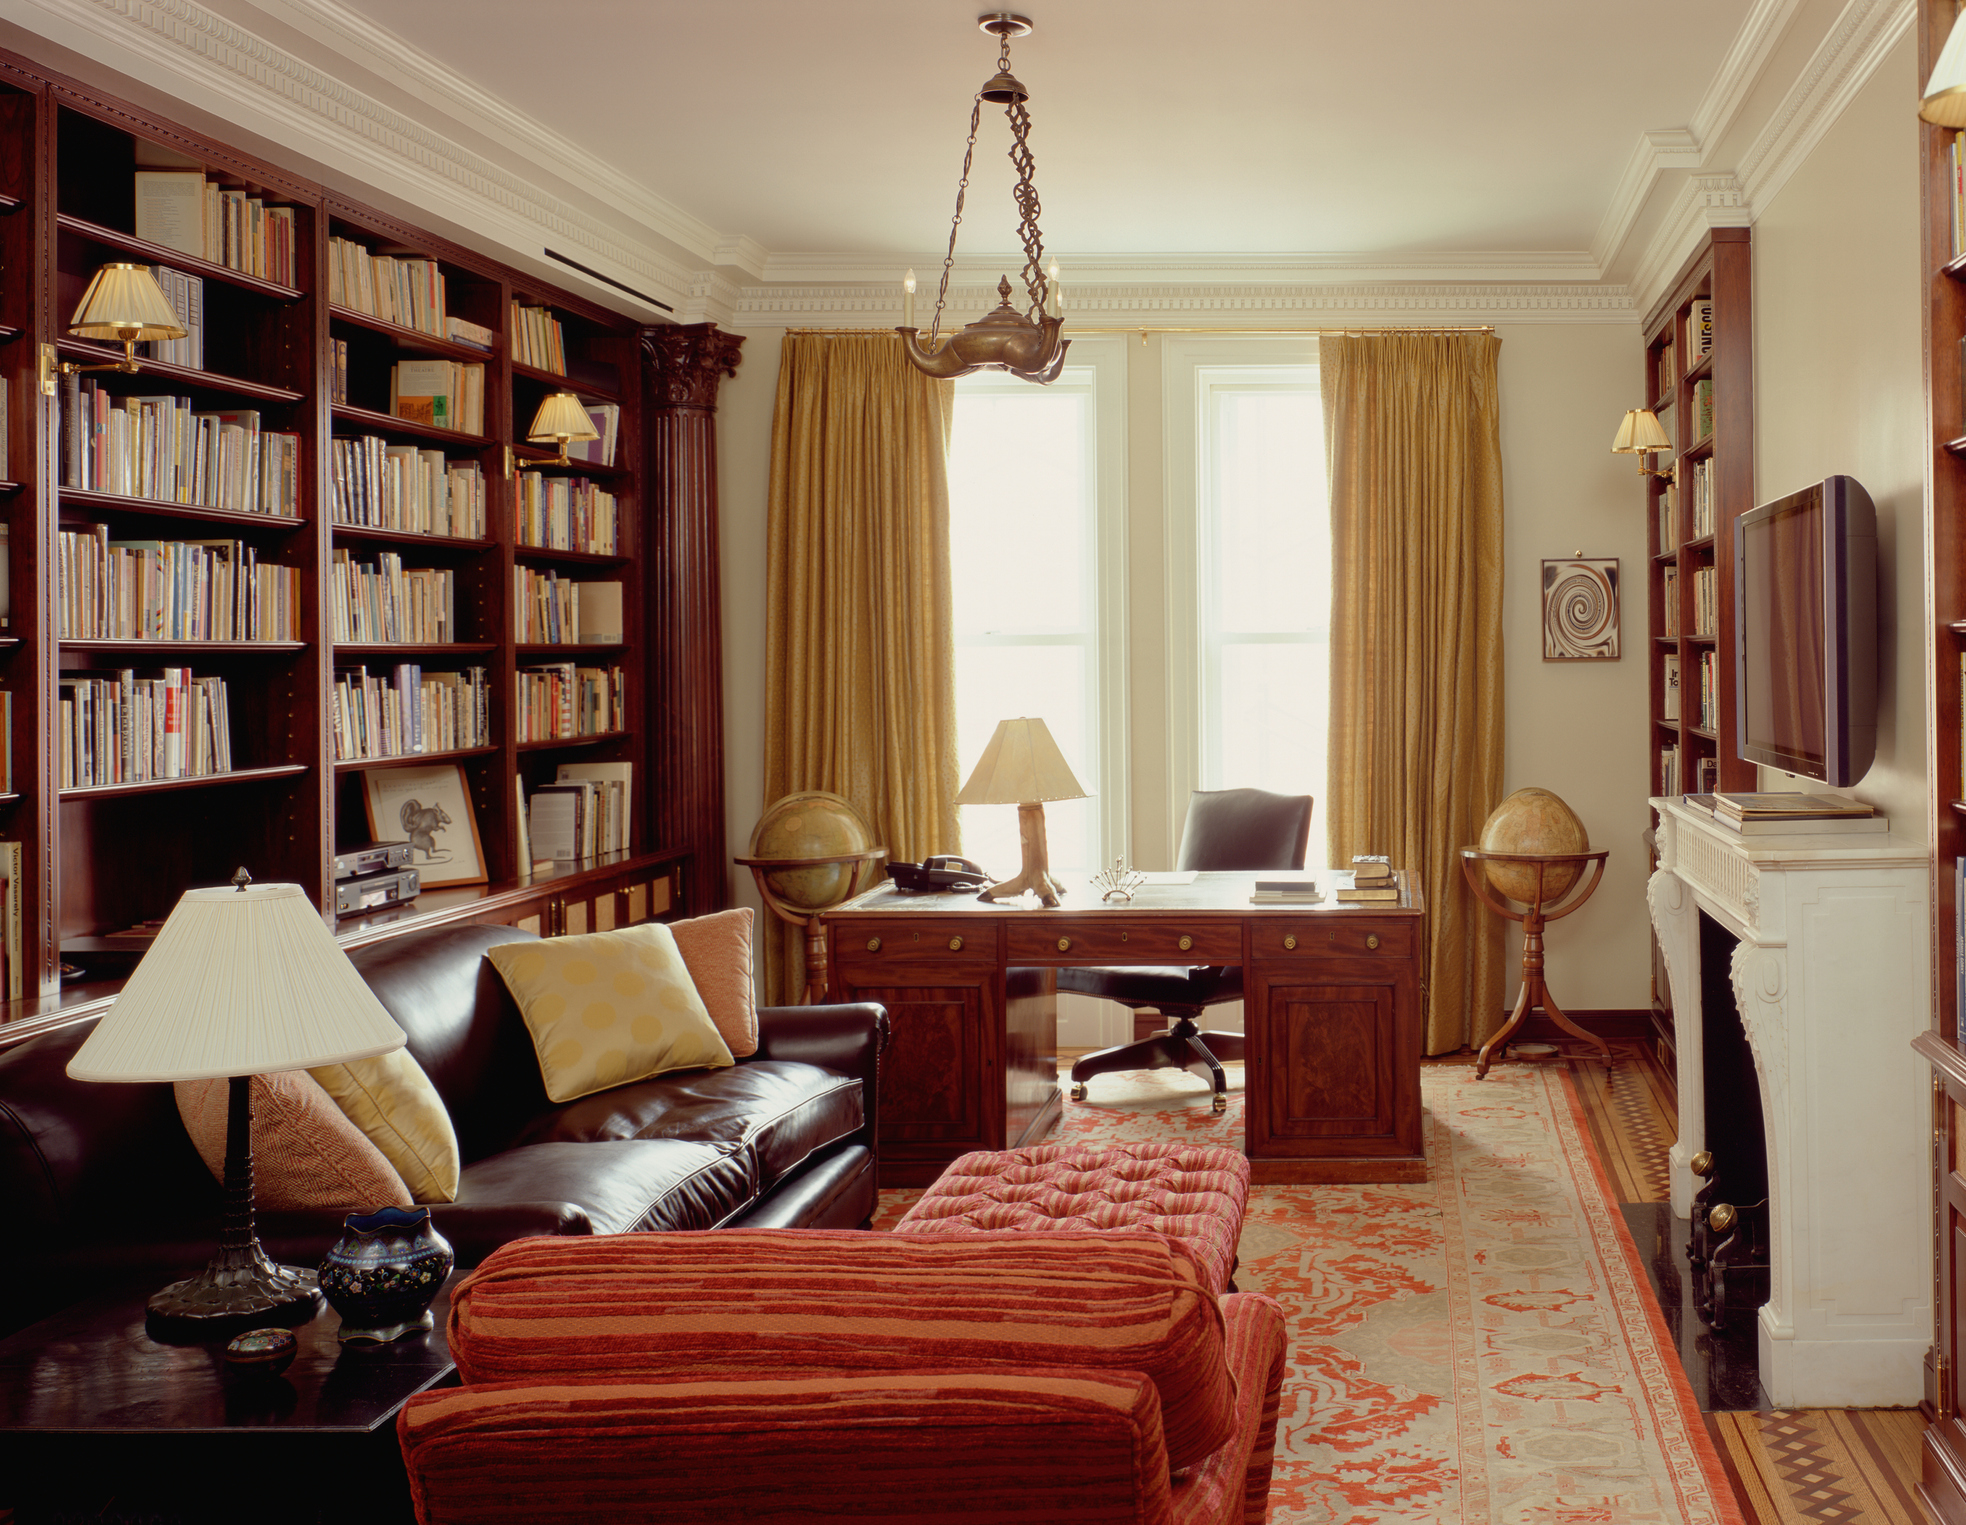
point(609, 1007)
point(717, 951)
point(392, 1101)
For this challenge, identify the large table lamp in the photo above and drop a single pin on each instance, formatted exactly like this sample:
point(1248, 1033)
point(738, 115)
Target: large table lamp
point(240, 982)
point(1022, 766)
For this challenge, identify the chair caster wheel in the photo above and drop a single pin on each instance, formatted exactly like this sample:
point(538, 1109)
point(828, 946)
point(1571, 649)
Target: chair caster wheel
point(1221, 1102)
point(1078, 1092)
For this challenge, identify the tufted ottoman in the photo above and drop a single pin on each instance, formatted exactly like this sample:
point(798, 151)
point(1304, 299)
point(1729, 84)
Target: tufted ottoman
point(1193, 1195)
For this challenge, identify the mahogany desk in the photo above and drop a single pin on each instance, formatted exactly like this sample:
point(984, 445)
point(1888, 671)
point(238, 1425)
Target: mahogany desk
point(1332, 1003)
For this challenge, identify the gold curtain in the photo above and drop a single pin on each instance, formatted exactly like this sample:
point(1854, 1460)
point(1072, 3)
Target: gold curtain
point(1413, 447)
point(859, 641)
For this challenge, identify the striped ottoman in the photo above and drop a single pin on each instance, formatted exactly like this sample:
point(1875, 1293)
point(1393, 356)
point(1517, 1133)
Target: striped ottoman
point(1191, 1194)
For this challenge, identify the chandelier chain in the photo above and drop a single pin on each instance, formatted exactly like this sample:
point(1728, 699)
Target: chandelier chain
point(1036, 283)
point(962, 188)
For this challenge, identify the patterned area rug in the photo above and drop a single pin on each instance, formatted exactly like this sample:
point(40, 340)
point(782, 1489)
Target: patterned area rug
point(1815, 1466)
point(1479, 1348)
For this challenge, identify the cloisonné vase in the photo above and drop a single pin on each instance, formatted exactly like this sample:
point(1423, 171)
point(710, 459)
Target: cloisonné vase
point(382, 1273)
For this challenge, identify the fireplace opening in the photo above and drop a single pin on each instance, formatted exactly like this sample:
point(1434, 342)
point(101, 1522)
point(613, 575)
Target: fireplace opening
point(1727, 1244)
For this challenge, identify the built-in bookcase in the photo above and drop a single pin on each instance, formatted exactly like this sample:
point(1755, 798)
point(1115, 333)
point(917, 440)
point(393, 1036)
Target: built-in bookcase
point(1699, 381)
point(1944, 1461)
point(99, 857)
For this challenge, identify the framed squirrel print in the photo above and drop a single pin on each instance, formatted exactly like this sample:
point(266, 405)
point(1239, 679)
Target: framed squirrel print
point(430, 808)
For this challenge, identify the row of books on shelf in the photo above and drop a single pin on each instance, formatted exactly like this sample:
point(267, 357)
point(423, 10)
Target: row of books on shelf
point(385, 601)
point(538, 339)
point(186, 294)
point(171, 590)
point(566, 514)
point(1706, 600)
point(558, 699)
point(1666, 370)
point(1956, 178)
point(1699, 331)
point(550, 610)
point(377, 485)
point(1669, 599)
point(1702, 415)
point(1701, 492)
point(584, 812)
point(1669, 783)
point(404, 712)
point(406, 292)
point(1666, 505)
point(1710, 691)
point(131, 729)
point(445, 394)
point(182, 210)
point(158, 447)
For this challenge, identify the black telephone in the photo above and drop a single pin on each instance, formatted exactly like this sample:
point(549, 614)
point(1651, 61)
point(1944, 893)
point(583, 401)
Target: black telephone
point(947, 872)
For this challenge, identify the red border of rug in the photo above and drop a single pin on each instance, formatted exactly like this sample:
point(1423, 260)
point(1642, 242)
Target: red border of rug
point(1711, 1462)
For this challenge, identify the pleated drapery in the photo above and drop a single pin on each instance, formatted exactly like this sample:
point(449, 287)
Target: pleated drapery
point(859, 637)
point(1413, 447)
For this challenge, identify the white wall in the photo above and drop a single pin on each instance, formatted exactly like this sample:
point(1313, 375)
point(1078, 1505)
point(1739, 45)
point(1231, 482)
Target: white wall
point(1838, 384)
point(1576, 728)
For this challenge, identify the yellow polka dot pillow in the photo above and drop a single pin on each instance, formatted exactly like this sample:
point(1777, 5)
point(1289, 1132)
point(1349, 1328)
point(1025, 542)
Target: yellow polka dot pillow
point(608, 1008)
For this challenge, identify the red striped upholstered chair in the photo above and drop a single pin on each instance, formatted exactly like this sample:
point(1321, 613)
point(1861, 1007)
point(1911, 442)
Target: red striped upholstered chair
point(765, 1375)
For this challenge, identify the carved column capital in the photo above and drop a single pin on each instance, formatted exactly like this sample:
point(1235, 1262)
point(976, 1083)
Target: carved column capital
point(687, 363)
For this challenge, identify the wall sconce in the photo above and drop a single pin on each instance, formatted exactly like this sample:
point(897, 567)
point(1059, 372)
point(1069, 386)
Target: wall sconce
point(562, 417)
point(1944, 101)
point(1640, 435)
point(123, 303)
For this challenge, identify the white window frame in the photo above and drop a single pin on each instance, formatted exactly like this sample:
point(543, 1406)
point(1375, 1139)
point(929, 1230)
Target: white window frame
point(1096, 363)
point(1189, 367)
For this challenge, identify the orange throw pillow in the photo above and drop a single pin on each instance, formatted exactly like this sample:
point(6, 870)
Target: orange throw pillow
point(306, 1153)
point(717, 952)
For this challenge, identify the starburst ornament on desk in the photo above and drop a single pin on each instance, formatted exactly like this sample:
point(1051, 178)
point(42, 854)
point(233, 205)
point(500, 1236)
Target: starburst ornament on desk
point(1118, 882)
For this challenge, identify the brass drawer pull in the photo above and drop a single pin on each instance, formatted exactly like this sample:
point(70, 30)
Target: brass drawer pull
point(955, 945)
point(1186, 942)
point(1064, 945)
point(873, 945)
point(1290, 942)
point(1372, 939)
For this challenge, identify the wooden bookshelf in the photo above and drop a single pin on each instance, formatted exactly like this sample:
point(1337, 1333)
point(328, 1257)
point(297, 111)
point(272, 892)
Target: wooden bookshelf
point(1943, 1483)
point(99, 859)
point(1682, 554)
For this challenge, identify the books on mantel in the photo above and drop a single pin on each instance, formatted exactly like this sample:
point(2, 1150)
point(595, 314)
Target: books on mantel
point(1789, 814)
point(1285, 892)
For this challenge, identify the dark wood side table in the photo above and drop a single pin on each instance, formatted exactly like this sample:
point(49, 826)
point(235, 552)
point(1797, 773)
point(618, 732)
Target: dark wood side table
point(1332, 1004)
point(98, 1420)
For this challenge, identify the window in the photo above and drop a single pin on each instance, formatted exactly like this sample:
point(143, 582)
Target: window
point(1248, 512)
point(1034, 522)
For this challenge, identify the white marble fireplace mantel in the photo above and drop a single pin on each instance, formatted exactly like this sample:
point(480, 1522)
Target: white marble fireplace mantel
point(1831, 979)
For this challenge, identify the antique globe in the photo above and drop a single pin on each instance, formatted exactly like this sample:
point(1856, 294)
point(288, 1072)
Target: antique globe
point(799, 828)
point(1533, 821)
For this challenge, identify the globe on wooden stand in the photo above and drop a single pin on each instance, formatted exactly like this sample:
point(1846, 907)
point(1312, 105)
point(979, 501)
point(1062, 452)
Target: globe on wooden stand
point(1533, 850)
point(810, 852)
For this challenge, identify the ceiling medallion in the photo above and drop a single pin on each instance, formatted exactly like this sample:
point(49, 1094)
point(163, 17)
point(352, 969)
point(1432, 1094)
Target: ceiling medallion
point(1027, 344)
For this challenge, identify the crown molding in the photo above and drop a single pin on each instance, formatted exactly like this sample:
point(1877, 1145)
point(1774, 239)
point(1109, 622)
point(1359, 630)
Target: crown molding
point(1199, 269)
point(1856, 44)
point(1091, 307)
point(195, 55)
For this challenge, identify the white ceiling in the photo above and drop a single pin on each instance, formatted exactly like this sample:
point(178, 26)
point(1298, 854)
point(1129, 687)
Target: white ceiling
point(748, 158)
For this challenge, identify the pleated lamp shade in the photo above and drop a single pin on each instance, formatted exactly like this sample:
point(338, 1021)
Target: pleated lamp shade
point(124, 302)
point(1021, 764)
point(239, 982)
point(1639, 433)
point(562, 416)
point(1944, 101)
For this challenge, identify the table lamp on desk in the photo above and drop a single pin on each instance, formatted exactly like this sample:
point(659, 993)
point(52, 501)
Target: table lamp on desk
point(1022, 766)
point(240, 982)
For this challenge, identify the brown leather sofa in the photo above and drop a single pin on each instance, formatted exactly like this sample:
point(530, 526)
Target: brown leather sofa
point(99, 1184)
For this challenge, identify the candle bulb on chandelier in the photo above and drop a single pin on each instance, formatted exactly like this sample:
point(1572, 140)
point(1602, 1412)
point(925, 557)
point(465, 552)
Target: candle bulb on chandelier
point(908, 300)
point(1055, 307)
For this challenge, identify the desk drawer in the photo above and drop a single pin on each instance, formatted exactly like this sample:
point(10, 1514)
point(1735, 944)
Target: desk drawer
point(1282, 938)
point(1119, 939)
point(952, 943)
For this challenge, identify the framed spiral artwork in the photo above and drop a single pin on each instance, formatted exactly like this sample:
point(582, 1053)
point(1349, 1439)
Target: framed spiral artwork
point(1580, 609)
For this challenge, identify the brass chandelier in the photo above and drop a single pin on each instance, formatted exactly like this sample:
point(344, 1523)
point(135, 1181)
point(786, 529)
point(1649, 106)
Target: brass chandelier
point(1026, 344)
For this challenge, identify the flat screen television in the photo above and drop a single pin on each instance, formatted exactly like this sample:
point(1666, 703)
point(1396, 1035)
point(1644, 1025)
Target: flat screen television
point(1805, 632)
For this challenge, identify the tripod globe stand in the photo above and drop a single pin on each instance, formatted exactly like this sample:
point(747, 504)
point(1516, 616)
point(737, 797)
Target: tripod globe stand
point(1551, 876)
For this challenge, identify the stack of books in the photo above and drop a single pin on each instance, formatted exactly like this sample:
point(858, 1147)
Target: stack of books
point(1776, 814)
point(1285, 892)
point(1370, 882)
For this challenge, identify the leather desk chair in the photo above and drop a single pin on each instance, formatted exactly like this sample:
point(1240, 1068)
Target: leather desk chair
point(1226, 829)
